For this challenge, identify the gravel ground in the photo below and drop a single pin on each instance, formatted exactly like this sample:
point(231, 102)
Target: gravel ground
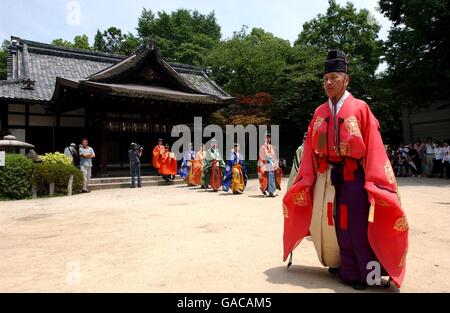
point(180, 239)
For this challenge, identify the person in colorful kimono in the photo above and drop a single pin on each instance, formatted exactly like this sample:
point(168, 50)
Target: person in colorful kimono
point(158, 151)
point(296, 163)
point(186, 165)
point(213, 168)
point(197, 169)
point(168, 168)
point(269, 172)
point(235, 177)
point(345, 194)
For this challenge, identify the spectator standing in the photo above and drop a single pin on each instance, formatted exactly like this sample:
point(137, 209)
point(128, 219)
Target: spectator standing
point(438, 160)
point(429, 156)
point(415, 161)
point(72, 153)
point(446, 159)
point(134, 155)
point(400, 165)
point(420, 147)
point(86, 156)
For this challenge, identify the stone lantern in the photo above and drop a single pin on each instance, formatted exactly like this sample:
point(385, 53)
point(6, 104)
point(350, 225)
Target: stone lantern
point(11, 145)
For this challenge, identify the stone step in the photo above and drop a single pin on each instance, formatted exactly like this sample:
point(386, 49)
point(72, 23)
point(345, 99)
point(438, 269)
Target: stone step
point(126, 184)
point(107, 180)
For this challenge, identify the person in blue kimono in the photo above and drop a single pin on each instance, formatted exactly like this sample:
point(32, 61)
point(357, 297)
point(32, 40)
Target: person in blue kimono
point(188, 158)
point(235, 177)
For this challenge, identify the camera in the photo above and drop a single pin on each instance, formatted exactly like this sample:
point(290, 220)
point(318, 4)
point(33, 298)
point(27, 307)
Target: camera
point(137, 147)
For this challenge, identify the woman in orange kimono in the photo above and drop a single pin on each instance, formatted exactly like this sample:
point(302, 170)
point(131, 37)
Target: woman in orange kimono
point(269, 172)
point(169, 165)
point(345, 194)
point(196, 170)
point(158, 151)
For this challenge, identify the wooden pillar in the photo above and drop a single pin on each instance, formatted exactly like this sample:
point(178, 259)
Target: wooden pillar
point(3, 116)
point(103, 149)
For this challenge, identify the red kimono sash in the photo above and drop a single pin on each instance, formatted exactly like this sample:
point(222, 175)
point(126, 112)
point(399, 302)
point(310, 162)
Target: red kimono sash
point(361, 140)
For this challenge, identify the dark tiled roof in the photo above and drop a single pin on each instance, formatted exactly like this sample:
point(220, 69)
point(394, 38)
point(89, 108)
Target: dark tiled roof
point(42, 63)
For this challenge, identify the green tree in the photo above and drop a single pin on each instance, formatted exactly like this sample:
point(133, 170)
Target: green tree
point(298, 89)
point(356, 33)
point(81, 42)
point(99, 42)
point(114, 41)
point(3, 59)
point(249, 63)
point(183, 36)
point(62, 43)
point(418, 50)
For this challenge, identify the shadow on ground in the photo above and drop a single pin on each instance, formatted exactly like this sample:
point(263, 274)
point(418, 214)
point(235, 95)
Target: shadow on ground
point(423, 181)
point(314, 278)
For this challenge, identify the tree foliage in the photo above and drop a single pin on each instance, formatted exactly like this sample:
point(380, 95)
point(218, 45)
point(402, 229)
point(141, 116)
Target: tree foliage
point(114, 41)
point(352, 31)
point(183, 36)
point(79, 42)
point(418, 50)
point(249, 62)
point(3, 59)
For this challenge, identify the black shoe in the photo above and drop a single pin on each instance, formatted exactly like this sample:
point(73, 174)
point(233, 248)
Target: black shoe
point(85, 191)
point(334, 271)
point(359, 286)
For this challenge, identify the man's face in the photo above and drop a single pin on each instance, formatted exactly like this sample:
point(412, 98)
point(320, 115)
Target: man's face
point(236, 149)
point(85, 143)
point(335, 84)
point(160, 142)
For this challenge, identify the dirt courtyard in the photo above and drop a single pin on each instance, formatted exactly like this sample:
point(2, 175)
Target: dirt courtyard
point(180, 239)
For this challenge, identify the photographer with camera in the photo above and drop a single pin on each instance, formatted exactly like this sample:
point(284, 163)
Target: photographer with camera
point(134, 155)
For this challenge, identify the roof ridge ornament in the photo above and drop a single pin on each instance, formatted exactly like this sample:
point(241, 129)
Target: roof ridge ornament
point(27, 84)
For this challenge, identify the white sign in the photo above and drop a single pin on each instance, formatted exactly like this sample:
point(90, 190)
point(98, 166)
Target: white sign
point(2, 158)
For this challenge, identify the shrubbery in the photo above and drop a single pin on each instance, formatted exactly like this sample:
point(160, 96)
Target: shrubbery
point(56, 168)
point(15, 182)
point(20, 173)
point(56, 158)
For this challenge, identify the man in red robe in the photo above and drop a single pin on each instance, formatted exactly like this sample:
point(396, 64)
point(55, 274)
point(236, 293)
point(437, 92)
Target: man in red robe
point(268, 168)
point(345, 194)
point(168, 168)
point(158, 151)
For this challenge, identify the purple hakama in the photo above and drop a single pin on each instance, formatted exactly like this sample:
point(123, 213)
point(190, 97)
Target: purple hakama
point(351, 220)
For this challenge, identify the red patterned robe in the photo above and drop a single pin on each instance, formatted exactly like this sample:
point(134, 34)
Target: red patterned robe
point(168, 164)
point(360, 142)
point(158, 151)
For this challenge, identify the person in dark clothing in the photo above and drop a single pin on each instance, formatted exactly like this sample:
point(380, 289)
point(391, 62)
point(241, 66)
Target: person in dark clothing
point(415, 161)
point(134, 155)
point(72, 153)
point(400, 165)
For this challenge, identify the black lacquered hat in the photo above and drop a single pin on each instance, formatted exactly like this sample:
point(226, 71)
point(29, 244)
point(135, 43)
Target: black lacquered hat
point(336, 62)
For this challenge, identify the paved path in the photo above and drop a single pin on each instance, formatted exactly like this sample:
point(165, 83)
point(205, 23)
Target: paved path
point(169, 239)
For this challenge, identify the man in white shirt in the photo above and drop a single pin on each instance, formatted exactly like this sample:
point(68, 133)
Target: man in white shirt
point(429, 156)
point(438, 160)
point(446, 159)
